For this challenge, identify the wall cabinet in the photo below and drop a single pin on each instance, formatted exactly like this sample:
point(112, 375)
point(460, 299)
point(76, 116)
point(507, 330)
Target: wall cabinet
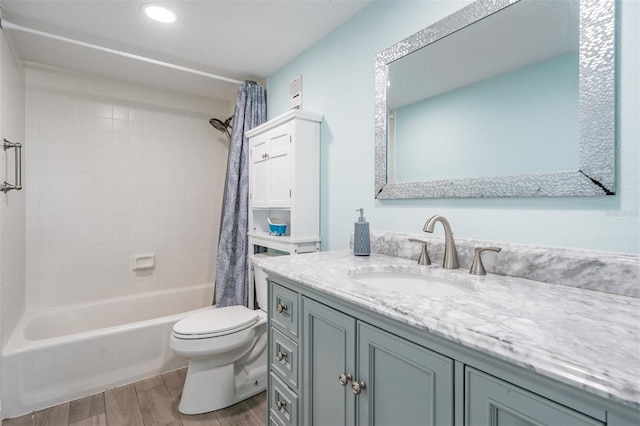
point(270, 168)
point(334, 364)
point(284, 182)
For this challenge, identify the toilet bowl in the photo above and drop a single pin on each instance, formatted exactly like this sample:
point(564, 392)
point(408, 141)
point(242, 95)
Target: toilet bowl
point(227, 352)
point(226, 349)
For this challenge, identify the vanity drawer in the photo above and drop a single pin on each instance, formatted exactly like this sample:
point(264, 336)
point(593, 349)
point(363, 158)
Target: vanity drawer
point(284, 403)
point(284, 357)
point(283, 308)
point(488, 398)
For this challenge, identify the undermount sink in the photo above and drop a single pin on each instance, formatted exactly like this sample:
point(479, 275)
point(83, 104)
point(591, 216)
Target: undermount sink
point(423, 281)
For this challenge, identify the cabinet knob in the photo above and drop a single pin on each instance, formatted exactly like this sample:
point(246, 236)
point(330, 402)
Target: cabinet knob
point(280, 405)
point(345, 378)
point(357, 387)
point(281, 355)
point(281, 308)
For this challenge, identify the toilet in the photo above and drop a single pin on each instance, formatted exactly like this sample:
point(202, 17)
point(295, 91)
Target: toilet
point(226, 349)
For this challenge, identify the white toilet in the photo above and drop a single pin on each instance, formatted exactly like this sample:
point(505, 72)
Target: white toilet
point(226, 349)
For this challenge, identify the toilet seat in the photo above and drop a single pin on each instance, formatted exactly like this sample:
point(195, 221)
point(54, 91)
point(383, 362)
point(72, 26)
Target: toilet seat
point(215, 322)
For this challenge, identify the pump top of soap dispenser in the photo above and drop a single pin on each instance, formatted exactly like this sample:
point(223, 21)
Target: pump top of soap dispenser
point(361, 218)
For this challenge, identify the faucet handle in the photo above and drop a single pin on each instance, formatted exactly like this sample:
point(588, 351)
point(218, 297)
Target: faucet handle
point(424, 254)
point(477, 268)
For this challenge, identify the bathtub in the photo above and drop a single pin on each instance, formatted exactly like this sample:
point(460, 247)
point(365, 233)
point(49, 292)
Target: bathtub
point(62, 354)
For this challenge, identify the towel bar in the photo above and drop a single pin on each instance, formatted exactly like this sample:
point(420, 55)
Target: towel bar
point(6, 186)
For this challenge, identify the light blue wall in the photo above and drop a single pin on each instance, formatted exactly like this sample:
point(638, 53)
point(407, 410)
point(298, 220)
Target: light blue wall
point(337, 80)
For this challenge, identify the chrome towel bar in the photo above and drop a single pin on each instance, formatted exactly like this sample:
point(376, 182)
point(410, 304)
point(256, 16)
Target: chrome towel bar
point(6, 186)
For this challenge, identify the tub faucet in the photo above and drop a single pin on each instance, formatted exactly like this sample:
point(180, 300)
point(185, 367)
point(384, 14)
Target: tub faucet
point(450, 260)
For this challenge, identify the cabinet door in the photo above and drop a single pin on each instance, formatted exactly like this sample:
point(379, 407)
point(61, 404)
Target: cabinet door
point(259, 171)
point(490, 401)
point(280, 167)
point(406, 384)
point(328, 341)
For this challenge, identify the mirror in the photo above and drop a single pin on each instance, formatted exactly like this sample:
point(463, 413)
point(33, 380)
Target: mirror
point(500, 99)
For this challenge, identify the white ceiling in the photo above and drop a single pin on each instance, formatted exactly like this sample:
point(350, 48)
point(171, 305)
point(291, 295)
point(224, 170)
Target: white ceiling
point(237, 39)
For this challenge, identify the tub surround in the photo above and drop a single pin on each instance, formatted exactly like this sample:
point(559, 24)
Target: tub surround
point(587, 339)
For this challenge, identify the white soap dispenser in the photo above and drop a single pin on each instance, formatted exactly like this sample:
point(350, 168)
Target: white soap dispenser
point(361, 239)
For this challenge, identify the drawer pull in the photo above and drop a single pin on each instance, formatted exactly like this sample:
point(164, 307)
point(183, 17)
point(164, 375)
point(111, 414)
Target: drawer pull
point(281, 356)
point(345, 378)
point(280, 405)
point(281, 308)
point(357, 387)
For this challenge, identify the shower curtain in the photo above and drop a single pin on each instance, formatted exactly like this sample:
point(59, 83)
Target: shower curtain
point(232, 262)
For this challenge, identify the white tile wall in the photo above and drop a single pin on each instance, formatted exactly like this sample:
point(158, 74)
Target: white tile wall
point(117, 169)
point(12, 205)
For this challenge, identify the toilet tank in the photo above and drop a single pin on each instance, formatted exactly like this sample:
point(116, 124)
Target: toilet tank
point(260, 279)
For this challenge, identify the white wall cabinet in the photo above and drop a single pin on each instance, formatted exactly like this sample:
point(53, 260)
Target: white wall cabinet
point(284, 182)
point(271, 169)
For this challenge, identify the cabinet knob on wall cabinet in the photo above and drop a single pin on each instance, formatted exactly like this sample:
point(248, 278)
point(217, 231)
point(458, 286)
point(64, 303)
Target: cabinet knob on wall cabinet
point(357, 387)
point(281, 355)
point(281, 308)
point(345, 378)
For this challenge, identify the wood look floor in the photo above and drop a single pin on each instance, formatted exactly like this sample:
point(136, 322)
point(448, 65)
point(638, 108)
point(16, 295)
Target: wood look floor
point(150, 402)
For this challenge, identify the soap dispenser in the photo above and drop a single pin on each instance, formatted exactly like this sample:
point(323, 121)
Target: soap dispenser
point(361, 240)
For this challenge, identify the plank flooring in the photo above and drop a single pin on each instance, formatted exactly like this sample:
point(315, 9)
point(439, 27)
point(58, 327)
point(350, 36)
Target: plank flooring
point(150, 402)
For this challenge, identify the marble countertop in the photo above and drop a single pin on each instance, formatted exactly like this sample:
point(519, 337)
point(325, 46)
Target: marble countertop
point(585, 338)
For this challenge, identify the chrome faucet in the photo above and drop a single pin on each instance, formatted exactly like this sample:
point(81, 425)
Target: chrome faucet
point(450, 260)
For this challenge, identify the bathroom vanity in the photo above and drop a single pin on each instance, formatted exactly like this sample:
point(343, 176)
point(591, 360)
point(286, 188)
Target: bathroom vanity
point(507, 350)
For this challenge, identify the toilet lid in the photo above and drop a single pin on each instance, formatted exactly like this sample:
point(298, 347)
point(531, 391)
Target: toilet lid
point(217, 321)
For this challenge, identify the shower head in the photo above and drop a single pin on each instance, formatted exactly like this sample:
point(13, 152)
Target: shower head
point(222, 126)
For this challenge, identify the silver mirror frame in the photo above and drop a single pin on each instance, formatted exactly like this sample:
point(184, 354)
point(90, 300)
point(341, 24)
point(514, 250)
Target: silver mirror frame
point(596, 173)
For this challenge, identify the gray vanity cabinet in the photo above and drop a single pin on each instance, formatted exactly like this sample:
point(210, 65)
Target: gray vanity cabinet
point(334, 363)
point(407, 384)
point(491, 401)
point(354, 373)
point(328, 350)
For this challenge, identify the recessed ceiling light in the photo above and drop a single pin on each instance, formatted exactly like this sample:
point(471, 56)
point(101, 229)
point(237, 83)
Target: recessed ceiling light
point(159, 13)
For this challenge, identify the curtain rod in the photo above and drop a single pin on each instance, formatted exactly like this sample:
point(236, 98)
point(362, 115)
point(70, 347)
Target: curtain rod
point(11, 26)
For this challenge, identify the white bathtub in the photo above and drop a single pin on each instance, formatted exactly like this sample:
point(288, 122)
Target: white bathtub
point(62, 354)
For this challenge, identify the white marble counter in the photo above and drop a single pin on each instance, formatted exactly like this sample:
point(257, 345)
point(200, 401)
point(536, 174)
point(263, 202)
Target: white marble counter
point(588, 339)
